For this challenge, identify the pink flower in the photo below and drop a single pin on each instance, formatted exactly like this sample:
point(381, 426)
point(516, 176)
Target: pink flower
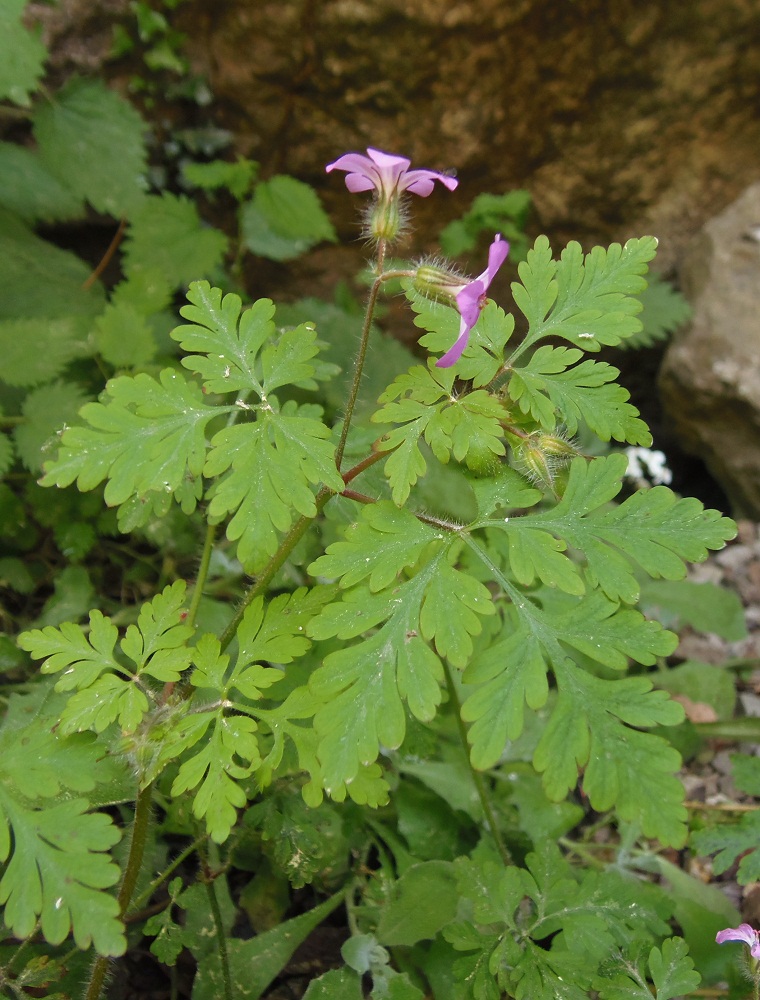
point(387, 174)
point(471, 299)
point(743, 933)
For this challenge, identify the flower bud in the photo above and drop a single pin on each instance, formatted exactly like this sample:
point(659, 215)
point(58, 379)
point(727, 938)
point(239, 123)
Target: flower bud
point(438, 282)
point(556, 446)
point(385, 219)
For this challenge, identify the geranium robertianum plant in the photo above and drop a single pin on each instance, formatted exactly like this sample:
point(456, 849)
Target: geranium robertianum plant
point(441, 629)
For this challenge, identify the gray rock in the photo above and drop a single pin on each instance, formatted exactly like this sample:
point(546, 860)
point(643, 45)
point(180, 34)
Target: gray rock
point(710, 379)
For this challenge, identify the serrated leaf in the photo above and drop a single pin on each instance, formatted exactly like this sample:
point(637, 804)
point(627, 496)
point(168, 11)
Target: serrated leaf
point(46, 411)
point(551, 391)
point(265, 471)
point(92, 140)
point(483, 356)
point(106, 689)
point(653, 528)
point(166, 237)
point(664, 311)
point(57, 871)
point(123, 336)
point(150, 436)
point(22, 55)
point(284, 219)
point(631, 770)
point(242, 352)
point(362, 687)
point(30, 190)
point(236, 177)
point(379, 546)
point(6, 454)
point(422, 403)
point(728, 843)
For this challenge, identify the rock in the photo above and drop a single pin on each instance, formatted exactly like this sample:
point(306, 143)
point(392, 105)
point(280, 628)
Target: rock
point(710, 379)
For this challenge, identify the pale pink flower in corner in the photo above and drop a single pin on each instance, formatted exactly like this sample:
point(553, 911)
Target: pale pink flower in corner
point(471, 299)
point(387, 174)
point(743, 933)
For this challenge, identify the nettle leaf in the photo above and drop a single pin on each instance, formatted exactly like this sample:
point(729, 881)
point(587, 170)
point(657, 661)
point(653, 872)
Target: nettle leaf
point(550, 390)
point(653, 528)
point(483, 357)
point(30, 189)
point(22, 55)
point(166, 237)
point(248, 357)
point(266, 469)
point(284, 219)
point(665, 310)
point(422, 402)
point(124, 337)
point(6, 454)
point(46, 411)
point(235, 177)
point(589, 300)
point(92, 140)
point(150, 436)
point(107, 689)
point(362, 687)
point(670, 969)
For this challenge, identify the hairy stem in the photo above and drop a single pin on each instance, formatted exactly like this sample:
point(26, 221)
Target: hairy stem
point(129, 881)
point(477, 777)
point(200, 580)
point(165, 874)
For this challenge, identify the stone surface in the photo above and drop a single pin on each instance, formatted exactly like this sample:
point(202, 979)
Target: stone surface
point(710, 379)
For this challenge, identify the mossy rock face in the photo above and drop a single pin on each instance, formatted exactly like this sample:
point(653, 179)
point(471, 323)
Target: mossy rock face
point(620, 118)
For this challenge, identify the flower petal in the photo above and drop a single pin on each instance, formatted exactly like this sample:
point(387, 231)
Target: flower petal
point(455, 353)
point(743, 933)
point(421, 182)
point(387, 174)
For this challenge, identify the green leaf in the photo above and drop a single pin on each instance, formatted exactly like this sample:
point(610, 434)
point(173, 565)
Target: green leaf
point(653, 527)
point(483, 357)
point(424, 900)
point(256, 962)
point(664, 311)
point(6, 454)
point(73, 597)
point(631, 770)
point(700, 682)
point(589, 300)
point(337, 984)
point(246, 357)
point(379, 546)
point(363, 686)
point(91, 139)
point(31, 190)
point(107, 690)
point(284, 219)
point(123, 336)
point(550, 391)
point(422, 402)
point(56, 872)
point(46, 410)
point(672, 970)
point(169, 937)
point(150, 436)
point(705, 606)
point(22, 55)
point(266, 469)
point(166, 237)
point(235, 177)
point(739, 840)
